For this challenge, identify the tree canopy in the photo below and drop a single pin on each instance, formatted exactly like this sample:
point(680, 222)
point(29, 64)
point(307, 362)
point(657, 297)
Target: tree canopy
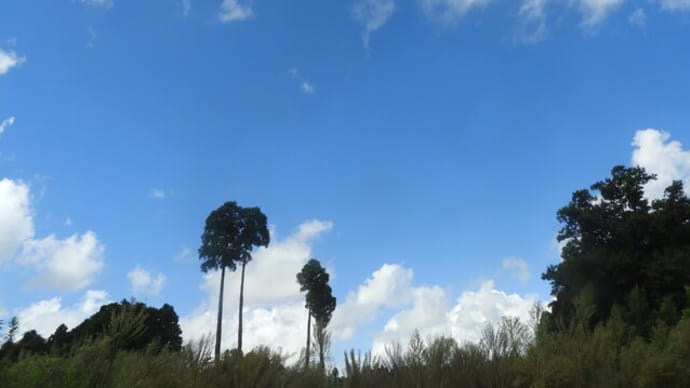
point(320, 303)
point(618, 244)
point(230, 234)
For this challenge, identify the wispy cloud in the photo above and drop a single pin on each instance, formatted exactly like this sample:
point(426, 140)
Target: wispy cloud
point(98, 3)
point(6, 123)
point(186, 7)
point(234, 11)
point(518, 268)
point(157, 193)
point(307, 87)
point(372, 14)
point(594, 12)
point(532, 22)
point(638, 18)
point(92, 37)
point(185, 255)
point(8, 60)
point(675, 5)
point(450, 11)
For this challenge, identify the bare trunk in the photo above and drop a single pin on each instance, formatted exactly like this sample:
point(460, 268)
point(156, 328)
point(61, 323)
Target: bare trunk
point(219, 328)
point(239, 328)
point(306, 359)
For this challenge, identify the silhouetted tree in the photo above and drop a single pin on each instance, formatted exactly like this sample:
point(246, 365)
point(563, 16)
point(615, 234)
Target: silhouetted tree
point(615, 242)
point(229, 236)
point(320, 304)
point(160, 325)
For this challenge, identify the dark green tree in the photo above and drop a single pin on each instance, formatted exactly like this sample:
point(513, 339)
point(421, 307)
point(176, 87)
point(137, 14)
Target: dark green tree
point(12, 330)
point(616, 241)
point(320, 304)
point(230, 234)
point(159, 325)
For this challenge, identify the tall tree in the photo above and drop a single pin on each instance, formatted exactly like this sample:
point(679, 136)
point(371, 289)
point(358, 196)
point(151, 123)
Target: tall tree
point(12, 330)
point(230, 234)
point(320, 304)
point(616, 241)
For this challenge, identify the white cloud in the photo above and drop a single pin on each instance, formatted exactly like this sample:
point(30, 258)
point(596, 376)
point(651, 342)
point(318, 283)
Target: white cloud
point(638, 18)
point(157, 193)
point(6, 123)
point(98, 3)
point(8, 60)
point(596, 11)
point(450, 11)
point(372, 14)
point(388, 287)
point(92, 37)
point(186, 7)
point(307, 87)
point(675, 5)
point(659, 155)
point(185, 255)
point(232, 11)
point(142, 283)
point(532, 25)
point(65, 265)
point(430, 314)
point(16, 224)
point(46, 315)
point(274, 306)
point(518, 268)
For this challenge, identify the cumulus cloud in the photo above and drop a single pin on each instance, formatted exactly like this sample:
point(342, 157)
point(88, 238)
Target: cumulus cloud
point(426, 309)
point(64, 265)
point(388, 287)
point(450, 11)
point(273, 314)
point(659, 155)
point(233, 11)
point(596, 11)
point(16, 223)
point(46, 315)
point(274, 306)
point(8, 60)
point(675, 5)
point(6, 123)
point(518, 268)
point(143, 283)
point(372, 14)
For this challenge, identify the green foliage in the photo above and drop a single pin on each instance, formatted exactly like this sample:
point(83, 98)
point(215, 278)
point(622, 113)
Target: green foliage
point(616, 242)
point(230, 234)
point(320, 303)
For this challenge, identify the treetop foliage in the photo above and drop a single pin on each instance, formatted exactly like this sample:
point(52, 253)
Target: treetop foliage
point(617, 242)
point(230, 233)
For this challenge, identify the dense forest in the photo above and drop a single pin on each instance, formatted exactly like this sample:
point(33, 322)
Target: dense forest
point(620, 317)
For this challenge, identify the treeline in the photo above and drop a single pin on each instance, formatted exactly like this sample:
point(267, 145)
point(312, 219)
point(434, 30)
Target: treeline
point(620, 318)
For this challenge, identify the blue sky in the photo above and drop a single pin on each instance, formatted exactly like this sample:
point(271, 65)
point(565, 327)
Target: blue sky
point(419, 149)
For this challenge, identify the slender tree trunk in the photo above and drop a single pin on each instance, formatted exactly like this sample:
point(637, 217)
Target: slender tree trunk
point(239, 328)
point(219, 328)
point(306, 359)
